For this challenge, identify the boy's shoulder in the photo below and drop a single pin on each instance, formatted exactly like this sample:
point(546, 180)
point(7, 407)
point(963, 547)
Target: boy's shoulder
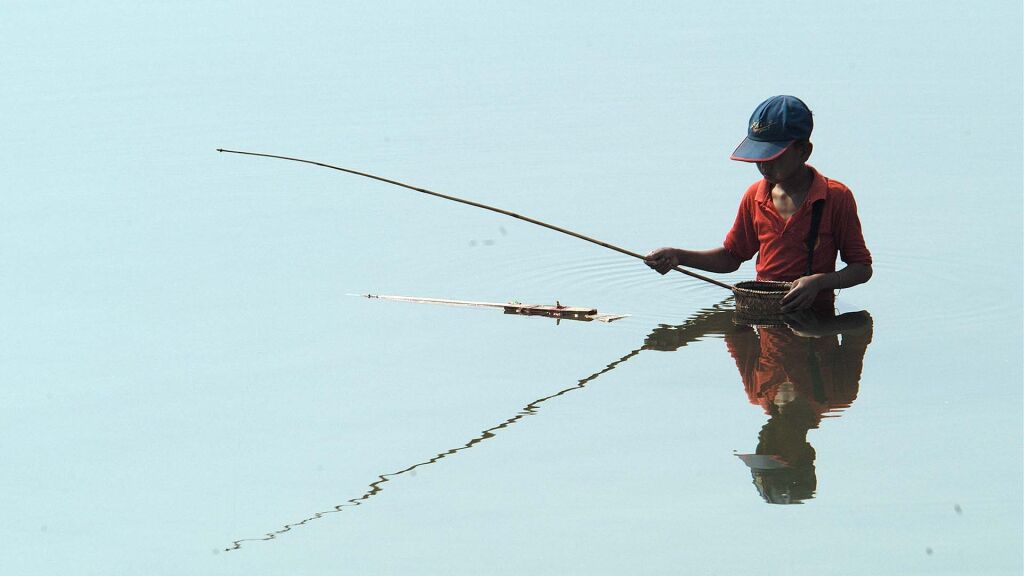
point(835, 188)
point(755, 191)
point(839, 194)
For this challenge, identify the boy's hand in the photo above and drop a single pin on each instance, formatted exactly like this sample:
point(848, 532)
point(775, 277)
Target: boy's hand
point(662, 259)
point(802, 294)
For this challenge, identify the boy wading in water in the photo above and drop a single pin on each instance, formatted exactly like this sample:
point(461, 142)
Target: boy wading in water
point(776, 214)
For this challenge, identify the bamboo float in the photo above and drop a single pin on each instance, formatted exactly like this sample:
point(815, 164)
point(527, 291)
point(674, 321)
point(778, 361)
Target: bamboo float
point(558, 311)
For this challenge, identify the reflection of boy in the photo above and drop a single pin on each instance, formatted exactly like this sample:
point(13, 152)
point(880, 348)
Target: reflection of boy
point(774, 217)
point(778, 365)
point(798, 375)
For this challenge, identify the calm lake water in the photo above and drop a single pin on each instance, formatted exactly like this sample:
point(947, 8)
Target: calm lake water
point(189, 386)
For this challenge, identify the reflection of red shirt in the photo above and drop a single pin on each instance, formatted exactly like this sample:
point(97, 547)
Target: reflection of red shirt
point(781, 246)
point(823, 371)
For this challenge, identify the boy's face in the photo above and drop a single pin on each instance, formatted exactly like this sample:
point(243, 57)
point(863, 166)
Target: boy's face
point(787, 165)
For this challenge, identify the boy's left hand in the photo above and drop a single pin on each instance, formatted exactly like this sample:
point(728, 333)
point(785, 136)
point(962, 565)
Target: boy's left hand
point(802, 294)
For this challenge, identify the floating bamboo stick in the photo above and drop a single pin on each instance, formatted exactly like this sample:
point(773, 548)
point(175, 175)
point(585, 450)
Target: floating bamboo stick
point(557, 311)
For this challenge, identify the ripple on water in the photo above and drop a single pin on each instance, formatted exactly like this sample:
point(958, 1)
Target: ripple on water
point(622, 282)
point(911, 289)
point(924, 288)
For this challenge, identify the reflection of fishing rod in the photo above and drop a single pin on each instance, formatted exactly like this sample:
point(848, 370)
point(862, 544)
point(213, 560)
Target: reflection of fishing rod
point(377, 486)
point(710, 320)
point(485, 207)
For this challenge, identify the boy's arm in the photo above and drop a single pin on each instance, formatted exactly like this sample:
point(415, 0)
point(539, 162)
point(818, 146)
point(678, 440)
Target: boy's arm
point(714, 260)
point(806, 289)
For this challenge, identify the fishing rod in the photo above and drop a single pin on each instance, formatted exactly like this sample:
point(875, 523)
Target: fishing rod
point(485, 207)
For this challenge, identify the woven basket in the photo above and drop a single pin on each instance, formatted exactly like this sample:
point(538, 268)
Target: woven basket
point(760, 299)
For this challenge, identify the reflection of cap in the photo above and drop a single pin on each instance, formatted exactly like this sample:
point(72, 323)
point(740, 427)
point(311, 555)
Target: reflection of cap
point(778, 482)
point(775, 124)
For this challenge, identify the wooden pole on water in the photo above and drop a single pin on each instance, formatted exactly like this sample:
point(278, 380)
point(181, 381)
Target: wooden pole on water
point(485, 207)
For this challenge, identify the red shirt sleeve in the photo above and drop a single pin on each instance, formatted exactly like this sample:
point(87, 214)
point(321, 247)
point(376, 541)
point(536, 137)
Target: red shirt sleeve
point(847, 231)
point(742, 241)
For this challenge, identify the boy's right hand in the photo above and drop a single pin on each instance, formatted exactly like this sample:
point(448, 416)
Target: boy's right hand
point(662, 260)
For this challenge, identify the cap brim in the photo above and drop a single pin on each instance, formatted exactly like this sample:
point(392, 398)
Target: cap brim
point(755, 151)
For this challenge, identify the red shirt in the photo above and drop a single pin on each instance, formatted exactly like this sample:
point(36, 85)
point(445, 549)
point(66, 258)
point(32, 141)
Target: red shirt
point(781, 246)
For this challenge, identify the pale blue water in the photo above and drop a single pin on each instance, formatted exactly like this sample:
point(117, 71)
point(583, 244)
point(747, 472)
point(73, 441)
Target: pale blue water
point(181, 368)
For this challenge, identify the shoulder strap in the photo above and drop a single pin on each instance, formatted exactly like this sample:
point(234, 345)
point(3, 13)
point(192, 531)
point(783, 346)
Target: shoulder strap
point(812, 236)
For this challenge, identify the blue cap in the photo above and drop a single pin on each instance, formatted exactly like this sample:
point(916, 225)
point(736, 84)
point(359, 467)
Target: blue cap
point(775, 124)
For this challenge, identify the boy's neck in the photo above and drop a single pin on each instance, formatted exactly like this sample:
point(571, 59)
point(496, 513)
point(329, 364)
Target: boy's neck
point(797, 186)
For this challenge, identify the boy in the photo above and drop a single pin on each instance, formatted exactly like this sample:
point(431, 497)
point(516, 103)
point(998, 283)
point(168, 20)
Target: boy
point(775, 215)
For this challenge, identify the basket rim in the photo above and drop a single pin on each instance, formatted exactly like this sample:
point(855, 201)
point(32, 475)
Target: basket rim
point(747, 287)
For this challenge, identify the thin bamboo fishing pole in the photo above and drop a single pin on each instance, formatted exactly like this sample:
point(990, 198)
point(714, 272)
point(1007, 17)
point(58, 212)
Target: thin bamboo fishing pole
point(485, 207)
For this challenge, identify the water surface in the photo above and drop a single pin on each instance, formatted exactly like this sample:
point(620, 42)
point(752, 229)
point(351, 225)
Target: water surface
point(184, 374)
